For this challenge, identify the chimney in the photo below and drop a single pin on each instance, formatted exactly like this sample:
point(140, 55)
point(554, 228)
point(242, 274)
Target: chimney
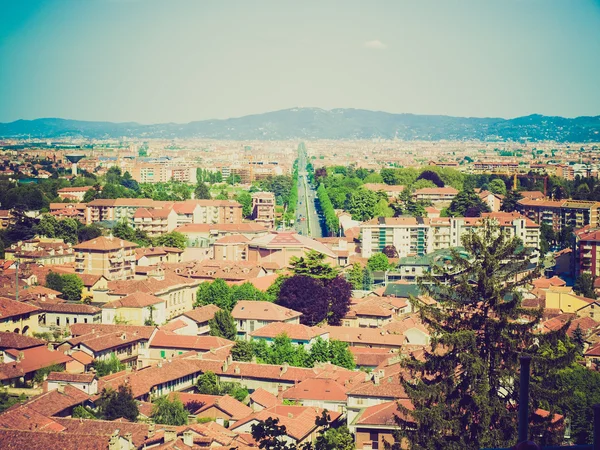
point(284, 368)
point(376, 378)
point(229, 359)
point(113, 444)
point(151, 429)
point(188, 438)
point(129, 439)
point(191, 418)
point(20, 356)
point(170, 434)
point(237, 370)
point(61, 388)
point(50, 346)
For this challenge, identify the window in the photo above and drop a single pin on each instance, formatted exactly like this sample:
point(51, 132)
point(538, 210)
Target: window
point(74, 319)
point(85, 320)
point(162, 354)
point(58, 321)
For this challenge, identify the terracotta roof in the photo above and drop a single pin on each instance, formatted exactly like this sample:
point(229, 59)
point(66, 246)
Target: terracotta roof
point(11, 308)
point(18, 341)
point(436, 191)
point(264, 398)
point(199, 343)
point(317, 389)
point(68, 308)
point(294, 331)
point(149, 286)
point(203, 313)
point(88, 279)
point(261, 310)
point(81, 329)
point(388, 386)
point(383, 414)
point(103, 243)
point(250, 227)
point(135, 300)
point(71, 377)
point(229, 405)
point(54, 402)
point(594, 350)
point(82, 357)
point(33, 359)
point(545, 283)
point(105, 428)
point(212, 269)
point(299, 421)
point(174, 325)
point(276, 240)
point(232, 239)
point(364, 336)
point(370, 357)
point(22, 417)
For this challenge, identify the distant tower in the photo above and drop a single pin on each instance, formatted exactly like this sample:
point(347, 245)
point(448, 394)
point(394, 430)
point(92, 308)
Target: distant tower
point(74, 159)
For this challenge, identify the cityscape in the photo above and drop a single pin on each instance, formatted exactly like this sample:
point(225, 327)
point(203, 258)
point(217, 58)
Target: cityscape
point(189, 259)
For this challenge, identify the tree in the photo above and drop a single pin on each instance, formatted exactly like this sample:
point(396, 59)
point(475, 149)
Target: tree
point(497, 186)
point(118, 404)
point(465, 394)
point(242, 351)
point(361, 204)
point(46, 226)
point(54, 281)
point(341, 355)
point(270, 435)
point(584, 285)
point(202, 192)
point(223, 325)
point(339, 292)
point(579, 339)
point(431, 176)
point(72, 287)
point(383, 209)
point(390, 251)
point(313, 264)
point(355, 276)
point(378, 261)
point(169, 412)
point(510, 201)
point(467, 204)
point(245, 199)
point(216, 293)
point(172, 239)
point(82, 412)
point(367, 279)
point(67, 230)
point(307, 295)
point(88, 232)
point(108, 366)
point(208, 383)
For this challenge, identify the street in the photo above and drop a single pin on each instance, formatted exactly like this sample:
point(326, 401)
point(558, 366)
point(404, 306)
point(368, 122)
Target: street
point(306, 208)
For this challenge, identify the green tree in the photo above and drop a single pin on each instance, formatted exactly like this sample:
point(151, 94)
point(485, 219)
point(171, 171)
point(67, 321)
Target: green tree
point(584, 285)
point(72, 287)
point(46, 226)
point(54, 281)
point(355, 276)
point(378, 261)
point(88, 232)
point(108, 366)
point(383, 209)
point(118, 404)
point(497, 186)
point(246, 291)
point(367, 279)
point(468, 204)
point(169, 412)
point(82, 412)
point(208, 383)
point(202, 192)
point(242, 351)
point(579, 339)
point(113, 175)
point(511, 201)
point(6, 400)
point(313, 265)
point(361, 204)
point(216, 292)
point(476, 325)
point(173, 239)
point(223, 325)
point(67, 230)
point(245, 199)
point(319, 352)
point(341, 355)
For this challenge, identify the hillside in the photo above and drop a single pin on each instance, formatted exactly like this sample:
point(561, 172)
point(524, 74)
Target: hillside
point(315, 123)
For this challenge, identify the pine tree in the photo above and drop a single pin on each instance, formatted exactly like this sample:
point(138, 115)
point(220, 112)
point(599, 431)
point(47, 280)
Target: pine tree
point(579, 339)
point(367, 279)
point(465, 391)
point(223, 325)
point(355, 276)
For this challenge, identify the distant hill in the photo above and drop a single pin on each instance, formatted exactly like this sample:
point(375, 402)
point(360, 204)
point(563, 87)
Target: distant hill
point(315, 123)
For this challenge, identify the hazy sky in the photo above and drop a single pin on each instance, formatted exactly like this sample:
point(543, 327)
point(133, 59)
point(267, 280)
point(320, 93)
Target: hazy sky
point(182, 60)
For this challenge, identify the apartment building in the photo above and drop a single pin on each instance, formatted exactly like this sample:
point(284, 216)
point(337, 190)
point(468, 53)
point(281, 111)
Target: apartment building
point(409, 235)
point(496, 166)
point(115, 209)
point(419, 236)
point(73, 193)
point(263, 208)
point(435, 195)
point(155, 222)
point(109, 256)
point(45, 251)
point(587, 245)
point(561, 213)
point(68, 211)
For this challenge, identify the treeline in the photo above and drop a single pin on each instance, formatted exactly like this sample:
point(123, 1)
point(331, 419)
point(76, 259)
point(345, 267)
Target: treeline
point(283, 351)
point(331, 221)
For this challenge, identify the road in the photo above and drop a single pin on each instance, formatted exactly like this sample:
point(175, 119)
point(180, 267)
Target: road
point(306, 207)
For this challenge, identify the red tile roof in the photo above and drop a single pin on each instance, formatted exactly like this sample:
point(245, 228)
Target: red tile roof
point(22, 417)
point(11, 308)
point(229, 405)
point(33, 359)
point(364, 336)
point(54, 402)
point(135, 300)
point(105, 428)
point(383, 414)
point(260, 310)
point(71, 377)
point(294, 331)
point(199, 343)
point(317, 389)
point(203, 313)
point(264, 398)
point(104, 243)
point(18, 341)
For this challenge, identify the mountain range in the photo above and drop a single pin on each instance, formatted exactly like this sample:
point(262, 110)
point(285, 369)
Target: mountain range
point(316, 123)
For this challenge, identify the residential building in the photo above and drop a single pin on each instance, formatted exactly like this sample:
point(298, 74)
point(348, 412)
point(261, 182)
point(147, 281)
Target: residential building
point(18, 317)
point(73, 193)
point(588, 251)
point(409, 235)
point(197, 320)
point(281, 247)
point(21, 365)
point(231, 248)
point(219, 408)
point(435, 195)
point(138, 309)
point(110, 257)
point(166, 345)
point(320, 393)
point(263, 209)
point(41, 250)
point(253, 315)
point(152, 256)
point(365, 337)
point(68, 211)
point(392, 191)
point(204, 235)
point(6, 218)
point(561, 213)
point(60, 316)
point(375, 425)
point(100, 210)
point(155, 221)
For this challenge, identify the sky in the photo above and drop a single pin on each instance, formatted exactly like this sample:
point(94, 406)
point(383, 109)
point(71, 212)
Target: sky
point(156, 61)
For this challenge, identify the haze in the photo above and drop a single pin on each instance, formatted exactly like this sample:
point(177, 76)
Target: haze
point(179, 61)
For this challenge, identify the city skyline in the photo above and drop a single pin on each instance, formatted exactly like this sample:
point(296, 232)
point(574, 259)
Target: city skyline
point(154, 62)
